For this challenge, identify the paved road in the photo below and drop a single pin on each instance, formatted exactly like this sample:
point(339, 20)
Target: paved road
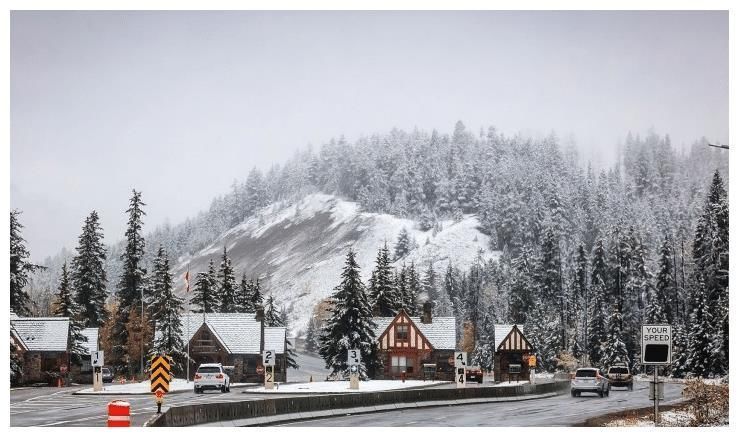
point(59, 407)
point(562, 410)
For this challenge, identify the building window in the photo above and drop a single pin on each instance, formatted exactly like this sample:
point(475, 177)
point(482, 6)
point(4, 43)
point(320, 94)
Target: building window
point(401, 333)
point(401, 364)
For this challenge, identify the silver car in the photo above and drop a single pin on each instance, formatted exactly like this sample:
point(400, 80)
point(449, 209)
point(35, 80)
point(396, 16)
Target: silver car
point(589, 379)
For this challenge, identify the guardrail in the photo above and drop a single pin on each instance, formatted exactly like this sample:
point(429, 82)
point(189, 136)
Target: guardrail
point(189, 415)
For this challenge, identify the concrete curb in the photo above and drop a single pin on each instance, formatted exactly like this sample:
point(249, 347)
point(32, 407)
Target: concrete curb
point(317, 393)
point(109, 393)
point(297, 417)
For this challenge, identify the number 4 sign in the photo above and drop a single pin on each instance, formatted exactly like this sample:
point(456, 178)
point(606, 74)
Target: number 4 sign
point(460, 368)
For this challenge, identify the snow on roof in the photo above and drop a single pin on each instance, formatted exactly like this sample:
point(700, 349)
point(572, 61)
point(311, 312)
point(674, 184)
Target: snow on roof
point(15, 338)
point(274, 339)
point(502, 331)
point(441, 332)
point(43, 334)
point(238, 332)
point(91, 345)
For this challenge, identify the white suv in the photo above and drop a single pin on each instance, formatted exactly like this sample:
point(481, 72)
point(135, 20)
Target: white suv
point(212, 376)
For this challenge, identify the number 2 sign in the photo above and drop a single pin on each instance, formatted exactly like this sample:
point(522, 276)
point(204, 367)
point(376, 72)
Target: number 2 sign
point(268, 358)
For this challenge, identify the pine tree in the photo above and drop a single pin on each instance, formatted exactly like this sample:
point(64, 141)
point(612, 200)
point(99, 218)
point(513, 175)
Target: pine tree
point(256, 295)
point(131, 282)
point(403, 245)
point(20, 267)
point(312, 336)
point(700, 340)
point(521, 300)
point(412, 290)
point(88, 273)
point(429, 284)
point(598, 319)
point(382, 291)
point(165, 309)
point(350, 324)
point(244, 296)
point(665, 291)
point(65, 306)
point(274, 317)
point(581, 295)
point(227, 289)
point(614, 349)
point(205, 297)
point(484, 352)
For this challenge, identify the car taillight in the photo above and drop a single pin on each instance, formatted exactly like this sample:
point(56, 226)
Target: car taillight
point(198, 376)
point(219, 376)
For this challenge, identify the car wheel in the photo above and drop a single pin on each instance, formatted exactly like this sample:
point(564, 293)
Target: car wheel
point(600, 393)
point(572, 392)
point(223, 388)
point(631, 387)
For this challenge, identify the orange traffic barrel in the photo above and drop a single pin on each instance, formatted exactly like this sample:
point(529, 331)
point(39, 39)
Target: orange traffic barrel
point(119, 413)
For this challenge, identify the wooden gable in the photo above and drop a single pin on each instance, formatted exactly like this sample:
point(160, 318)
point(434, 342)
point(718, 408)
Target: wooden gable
point(514, 341)
point(205, 341)
point(402, 333)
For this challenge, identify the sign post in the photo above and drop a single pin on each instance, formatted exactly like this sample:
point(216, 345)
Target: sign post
point(159, 378)
point(97, 359)
point(268, 360)
point(656, 350)
point(353, 360)
point(532, 368)
point(460, 369)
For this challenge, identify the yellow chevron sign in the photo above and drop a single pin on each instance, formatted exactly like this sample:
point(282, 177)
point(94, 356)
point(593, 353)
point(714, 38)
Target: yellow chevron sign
point(160, 373)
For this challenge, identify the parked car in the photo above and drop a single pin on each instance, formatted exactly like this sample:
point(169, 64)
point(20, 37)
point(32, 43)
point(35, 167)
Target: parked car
point(620, 376)
point(107, 374)
point(589, 379)
point(212, 376)
point(474, 373)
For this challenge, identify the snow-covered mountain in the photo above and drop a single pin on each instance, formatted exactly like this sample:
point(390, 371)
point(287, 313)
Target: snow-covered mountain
point(298, 251)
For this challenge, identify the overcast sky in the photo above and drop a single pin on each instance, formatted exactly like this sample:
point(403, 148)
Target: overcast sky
point(179, 104)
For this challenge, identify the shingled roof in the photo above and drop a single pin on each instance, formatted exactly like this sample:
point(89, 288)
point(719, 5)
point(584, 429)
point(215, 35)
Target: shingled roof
point(42, 334)
point(502, 331)
point(441, 332)
point(91, 345)
point(239, 333)
point(274, 339)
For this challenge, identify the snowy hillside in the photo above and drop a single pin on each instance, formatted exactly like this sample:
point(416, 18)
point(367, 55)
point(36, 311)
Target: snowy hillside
point(298, 250)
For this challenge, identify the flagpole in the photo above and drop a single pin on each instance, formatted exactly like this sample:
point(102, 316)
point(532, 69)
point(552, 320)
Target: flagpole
point(187, 378)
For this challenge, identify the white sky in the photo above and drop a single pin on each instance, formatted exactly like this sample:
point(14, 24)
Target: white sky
point(179, 104)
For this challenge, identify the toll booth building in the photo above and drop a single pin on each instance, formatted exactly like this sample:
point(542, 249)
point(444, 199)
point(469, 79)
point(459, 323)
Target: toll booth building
point(511, 362)
point(422, 347)
point(234, 339)
point(42, 344)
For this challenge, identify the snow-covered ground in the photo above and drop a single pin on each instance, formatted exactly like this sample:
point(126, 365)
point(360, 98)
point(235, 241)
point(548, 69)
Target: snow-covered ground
point(298, 250)
point(144, 387)
point(343, 386)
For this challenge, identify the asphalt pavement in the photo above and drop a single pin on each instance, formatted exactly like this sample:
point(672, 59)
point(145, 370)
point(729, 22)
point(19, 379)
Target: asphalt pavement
point(562, 410)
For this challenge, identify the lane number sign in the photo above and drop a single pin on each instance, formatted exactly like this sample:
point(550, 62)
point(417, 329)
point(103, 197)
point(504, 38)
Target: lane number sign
point(98, 359)
point(268, 358)
point(460, 368)
point(656, 344)
point(460, 359)
point(353, 356)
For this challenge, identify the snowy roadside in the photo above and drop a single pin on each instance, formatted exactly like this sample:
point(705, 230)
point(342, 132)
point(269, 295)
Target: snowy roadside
point(343, 386)
point(144, 387)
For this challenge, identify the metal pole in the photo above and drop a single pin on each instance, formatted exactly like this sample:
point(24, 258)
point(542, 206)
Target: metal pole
point(142, 331)
point(656, 398)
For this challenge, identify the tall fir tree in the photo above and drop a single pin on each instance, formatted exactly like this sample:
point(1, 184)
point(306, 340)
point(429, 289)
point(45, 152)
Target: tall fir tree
point(65, 306)
point(429, 284)
point(382, 291)
point(205, 297)
point(166, 308)
point(244, 296)
point(403, 244)
point(257, 299)
point(350, 324)
point(20, 267)
point(598, 319)
point(275, 317)
point(88, 273)
point(227, 287)
point(664, 288)
point(614, 349)
point(130, 292)
point(700, 339)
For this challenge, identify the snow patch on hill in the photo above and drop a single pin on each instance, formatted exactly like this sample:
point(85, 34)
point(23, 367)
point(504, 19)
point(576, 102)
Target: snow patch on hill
point(298, 250)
